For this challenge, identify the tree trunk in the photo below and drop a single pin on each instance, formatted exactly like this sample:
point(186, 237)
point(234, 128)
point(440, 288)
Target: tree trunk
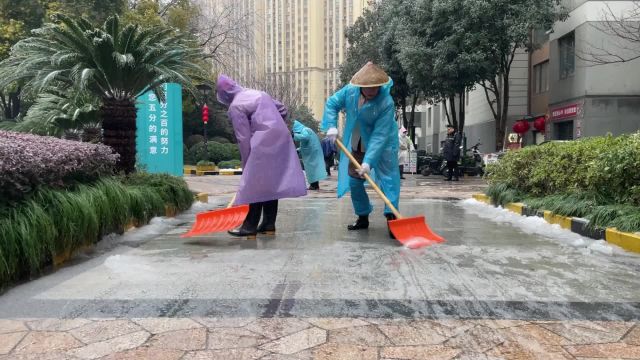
point(461, 119)
point(119, 131)
point(412, 129)
point(403, 105)
point(454, 115)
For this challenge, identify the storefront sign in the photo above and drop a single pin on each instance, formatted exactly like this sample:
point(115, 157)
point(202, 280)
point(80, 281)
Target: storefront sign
point(565, 112)
point(159, 134)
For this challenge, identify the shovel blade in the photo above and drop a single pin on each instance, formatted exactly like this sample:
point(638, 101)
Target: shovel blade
point(414, 233)
point(218, 221)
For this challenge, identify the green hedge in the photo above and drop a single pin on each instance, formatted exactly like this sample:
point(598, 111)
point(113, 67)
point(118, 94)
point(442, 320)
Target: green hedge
point(231, 164)
point(54, 221)
point(596, 178)
point(215, 152)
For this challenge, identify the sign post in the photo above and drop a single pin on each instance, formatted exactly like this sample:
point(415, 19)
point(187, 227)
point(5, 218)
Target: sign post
point(159, 134)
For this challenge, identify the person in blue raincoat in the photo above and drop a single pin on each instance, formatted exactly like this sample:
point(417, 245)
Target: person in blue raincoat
point(371, 132)
point(312, 155)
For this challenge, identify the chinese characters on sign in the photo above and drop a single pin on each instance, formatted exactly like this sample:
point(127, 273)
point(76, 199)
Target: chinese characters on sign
point(564, 112)
point(159, 134)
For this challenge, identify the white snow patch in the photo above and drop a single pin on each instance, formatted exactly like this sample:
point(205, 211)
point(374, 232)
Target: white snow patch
point(538, 226)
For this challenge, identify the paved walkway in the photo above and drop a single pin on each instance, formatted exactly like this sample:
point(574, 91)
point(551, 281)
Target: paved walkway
point(316, 291)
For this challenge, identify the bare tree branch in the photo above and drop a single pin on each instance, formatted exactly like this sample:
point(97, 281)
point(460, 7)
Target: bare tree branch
point(625, 29)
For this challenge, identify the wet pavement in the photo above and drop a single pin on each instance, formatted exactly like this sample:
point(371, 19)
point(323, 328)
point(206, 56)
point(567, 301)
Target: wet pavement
point(499, 288)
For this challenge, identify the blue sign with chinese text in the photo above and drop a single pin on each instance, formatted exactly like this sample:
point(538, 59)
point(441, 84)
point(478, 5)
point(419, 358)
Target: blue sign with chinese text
point(159, 134)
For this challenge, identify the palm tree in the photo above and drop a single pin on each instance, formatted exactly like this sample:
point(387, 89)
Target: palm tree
point(114, 63)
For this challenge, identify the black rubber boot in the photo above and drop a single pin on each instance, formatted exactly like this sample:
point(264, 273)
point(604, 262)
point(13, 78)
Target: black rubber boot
point(250, 225)
point(269, 215)
point(361, 224)
point(389, 218)
point(314, 186)
point(402, 172)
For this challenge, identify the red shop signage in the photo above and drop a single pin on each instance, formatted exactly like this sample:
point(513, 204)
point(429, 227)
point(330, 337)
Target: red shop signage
point(564, 112)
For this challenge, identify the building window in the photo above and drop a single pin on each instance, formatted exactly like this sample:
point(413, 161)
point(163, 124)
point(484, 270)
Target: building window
point(567, 47)
point(540, 36)
point(429, 118)
point(541, 78)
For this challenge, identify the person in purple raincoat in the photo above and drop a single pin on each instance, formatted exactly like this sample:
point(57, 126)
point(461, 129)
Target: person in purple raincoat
point(270, 166)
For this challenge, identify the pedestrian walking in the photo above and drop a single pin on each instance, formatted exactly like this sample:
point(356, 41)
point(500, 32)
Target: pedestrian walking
point(329, 151)
point(270, 166)
point(371, 133)
point(311, 153)
point(404, 153)
point(451, 152)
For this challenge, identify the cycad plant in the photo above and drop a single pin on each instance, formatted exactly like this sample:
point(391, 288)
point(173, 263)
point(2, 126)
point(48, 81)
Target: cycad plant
point(115, 63)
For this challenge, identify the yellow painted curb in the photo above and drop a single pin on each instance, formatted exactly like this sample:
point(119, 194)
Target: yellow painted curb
point(203, 197)
point(563, 221)
point(227, 172)
point(627, 241)
point(482, 198)
point(517, 208)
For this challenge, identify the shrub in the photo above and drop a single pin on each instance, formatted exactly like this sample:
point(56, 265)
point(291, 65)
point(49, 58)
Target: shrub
point(607, 166)
point(221, 140)
point(232, 164)
point(53, 221)
point(30, 161)
point(215, 152)
point(193, 140)
point(205, 163)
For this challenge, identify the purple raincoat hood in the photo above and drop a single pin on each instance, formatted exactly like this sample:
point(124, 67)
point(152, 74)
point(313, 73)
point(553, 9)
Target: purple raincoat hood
point(227, 89)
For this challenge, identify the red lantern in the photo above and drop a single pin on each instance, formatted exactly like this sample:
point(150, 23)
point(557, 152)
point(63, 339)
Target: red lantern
point(540, 124)
point(205, 114)
point(521, 127)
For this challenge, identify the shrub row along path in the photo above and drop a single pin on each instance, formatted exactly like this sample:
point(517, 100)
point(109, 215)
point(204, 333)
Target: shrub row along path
point(498, 289)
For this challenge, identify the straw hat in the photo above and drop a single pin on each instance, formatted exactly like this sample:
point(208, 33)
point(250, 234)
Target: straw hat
point(370, 75)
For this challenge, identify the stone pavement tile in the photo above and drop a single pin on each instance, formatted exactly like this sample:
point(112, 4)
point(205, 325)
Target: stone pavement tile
point(229, 338)
point(56, 324)
point(430, 352)
point(160, 325)
point(515, 351)
point(302, 355)
point(336, 323)
point(534, 335)
point(186, 340)
point(451, 327)
point(414, 333)
point(9, 341)
point(274, 328)
point(477, 356)
point(9, 326)
point(146, 352)
point(224, 322)
point(297, 342)
point(104, 348)
point(500, 324)
point(478, 339)
point(620, 350)
point(37, 342)
point(633, 337)
point(43, 356)
point(362, 335)
point(332, 351)
point(583, 332)
point(104, 330)
point(227, 354)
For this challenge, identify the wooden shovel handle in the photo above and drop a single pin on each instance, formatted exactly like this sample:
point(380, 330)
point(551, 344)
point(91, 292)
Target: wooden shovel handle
point(233, 199)
point(368, 178)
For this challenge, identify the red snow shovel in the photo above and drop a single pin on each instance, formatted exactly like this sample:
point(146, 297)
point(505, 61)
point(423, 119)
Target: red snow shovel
point(412, 232)
point(219, 220)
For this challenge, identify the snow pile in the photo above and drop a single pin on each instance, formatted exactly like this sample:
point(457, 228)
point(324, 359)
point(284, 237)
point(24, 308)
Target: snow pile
point(537, 226)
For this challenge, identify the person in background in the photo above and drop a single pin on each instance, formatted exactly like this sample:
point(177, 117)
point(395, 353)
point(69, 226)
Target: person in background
point(270, 166)
point(406, 146)
point(329, 151)
point(371, 133)
point(311, 153)
point(451, 152)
